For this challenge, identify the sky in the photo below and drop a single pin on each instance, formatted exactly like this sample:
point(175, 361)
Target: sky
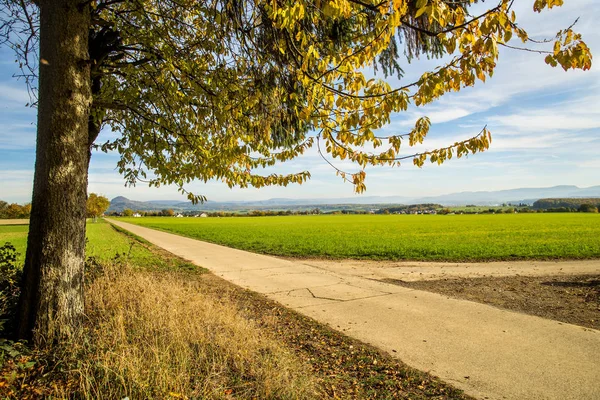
point(545, 126)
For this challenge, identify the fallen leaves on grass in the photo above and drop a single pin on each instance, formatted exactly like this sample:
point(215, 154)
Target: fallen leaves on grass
point(345, 368)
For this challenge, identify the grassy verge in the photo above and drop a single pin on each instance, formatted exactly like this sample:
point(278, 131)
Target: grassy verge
point(400, 237)
point(157, 329)
point(106, 244)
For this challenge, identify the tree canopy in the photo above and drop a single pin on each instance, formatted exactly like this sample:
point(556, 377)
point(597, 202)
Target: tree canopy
point(219, 89)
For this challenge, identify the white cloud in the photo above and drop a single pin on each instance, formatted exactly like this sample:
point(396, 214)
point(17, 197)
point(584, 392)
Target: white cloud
point(591, 164)
point(15, 174)
point(14, 94)
point(544, 121)
point(437, 114)
point(17, 137)
point(571, 115)
point(16, 185)
point(518, 73)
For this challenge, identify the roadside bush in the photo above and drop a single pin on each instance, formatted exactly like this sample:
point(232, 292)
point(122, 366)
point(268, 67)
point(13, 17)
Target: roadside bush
point(10, 278)
point(588, 208)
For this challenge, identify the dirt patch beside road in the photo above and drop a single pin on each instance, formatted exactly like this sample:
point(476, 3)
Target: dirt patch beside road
point(417, 271)
point(566, 291)
point(571, 299)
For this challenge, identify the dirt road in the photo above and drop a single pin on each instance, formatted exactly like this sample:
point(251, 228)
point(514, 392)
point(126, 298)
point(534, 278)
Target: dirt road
point(14, 222)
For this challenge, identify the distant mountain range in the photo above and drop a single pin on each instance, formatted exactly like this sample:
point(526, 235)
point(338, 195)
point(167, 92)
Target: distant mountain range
point(514, 196)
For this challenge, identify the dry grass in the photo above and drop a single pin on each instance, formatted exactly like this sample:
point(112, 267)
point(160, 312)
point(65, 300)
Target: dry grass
point(156, 332)
point(157, 335)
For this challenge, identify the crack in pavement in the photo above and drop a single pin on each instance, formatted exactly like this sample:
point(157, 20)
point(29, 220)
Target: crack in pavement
point(255, 269)
point(342, 300)
point(289, 293)
point(359, 287)
point(295, 273)
point(303, 288)
point(322, 298)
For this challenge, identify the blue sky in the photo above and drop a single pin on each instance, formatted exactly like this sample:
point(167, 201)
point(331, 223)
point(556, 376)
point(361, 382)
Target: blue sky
point(545, 125)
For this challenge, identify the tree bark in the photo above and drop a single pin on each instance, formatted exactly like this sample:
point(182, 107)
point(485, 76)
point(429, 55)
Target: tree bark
point(51, 303)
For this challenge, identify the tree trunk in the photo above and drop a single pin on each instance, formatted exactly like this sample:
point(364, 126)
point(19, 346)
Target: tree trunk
point(51, 303)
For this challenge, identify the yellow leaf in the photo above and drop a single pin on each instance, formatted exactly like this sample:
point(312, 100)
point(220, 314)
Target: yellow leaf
point(420, 11)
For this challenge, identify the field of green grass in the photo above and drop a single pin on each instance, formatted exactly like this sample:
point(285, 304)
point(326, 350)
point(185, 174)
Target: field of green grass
point(17, 236)
point(400, 237)
point(104, 243)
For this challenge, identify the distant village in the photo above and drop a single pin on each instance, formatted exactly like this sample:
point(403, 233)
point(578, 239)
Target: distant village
point(543, 205)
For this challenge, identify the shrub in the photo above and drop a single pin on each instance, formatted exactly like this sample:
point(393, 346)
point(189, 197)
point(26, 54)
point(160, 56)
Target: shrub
point(589, 208)
point(10, 278)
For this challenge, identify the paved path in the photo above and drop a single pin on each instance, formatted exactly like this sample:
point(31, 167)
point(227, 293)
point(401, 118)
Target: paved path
point(488, 352)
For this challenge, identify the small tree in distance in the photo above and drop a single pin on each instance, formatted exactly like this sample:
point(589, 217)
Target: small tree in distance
point(96, 205)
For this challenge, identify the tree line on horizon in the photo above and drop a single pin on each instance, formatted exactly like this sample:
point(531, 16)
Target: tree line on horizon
point(568, 204)
point(95, 207)
point(540, 206)
point(14, 210)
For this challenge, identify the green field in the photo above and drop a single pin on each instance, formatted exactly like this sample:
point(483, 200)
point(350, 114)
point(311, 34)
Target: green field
point(400, 237)
point(17, 236)
point(105, 243)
